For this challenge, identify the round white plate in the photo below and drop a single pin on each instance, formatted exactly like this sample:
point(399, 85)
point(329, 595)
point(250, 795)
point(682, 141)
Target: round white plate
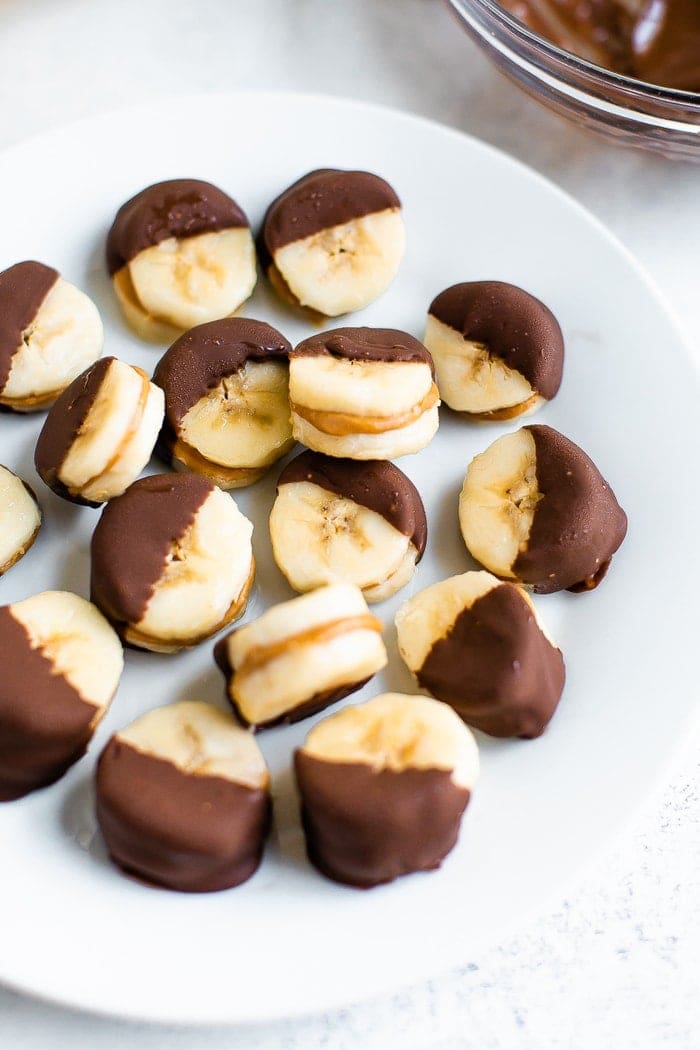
point(72, 928)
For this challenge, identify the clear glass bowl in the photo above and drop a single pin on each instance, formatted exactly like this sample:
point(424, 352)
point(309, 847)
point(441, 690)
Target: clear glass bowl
point(627, 111)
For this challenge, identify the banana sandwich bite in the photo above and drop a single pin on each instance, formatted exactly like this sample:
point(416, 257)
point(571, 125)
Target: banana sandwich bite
point(363, 393)
point(534, 508)
point(20, 519)
point(100, 434)
point(498, 351)
point(60, 665)
point(183, 799)
point(226, 386)
point(172, 562)
point(333, 241)
point(383, 787)
point(301, 655)
point(477, 643)
point(49, 332)
point(180, 253)
point(363, 522)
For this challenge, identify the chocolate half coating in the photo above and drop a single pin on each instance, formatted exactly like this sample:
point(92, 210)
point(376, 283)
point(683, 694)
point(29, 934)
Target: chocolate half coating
point(186, 831)
point(496, 667)
point(23, 288)
point(318, 201)
point(176, 208)
point(376, 484)
point(62, 425)
point(365, 827)
point(366, 344)
point(133, 538)
point(202, 357)
point(45, 725)
point(578, 524)
point(513, 326)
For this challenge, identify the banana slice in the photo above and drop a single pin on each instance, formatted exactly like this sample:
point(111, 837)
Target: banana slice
point(383, 788)
point(363, 393)
point(20, 519)
point(191, 571)
point(60, 665)
point(498, 351)
point(340, 519)
point(180, 254)
point(534, 508)
point(100, 434)
point(302, 655)
point(183, 799)
point(477, 644)
point(226, 387)
point(333, 241)
point(49, 332)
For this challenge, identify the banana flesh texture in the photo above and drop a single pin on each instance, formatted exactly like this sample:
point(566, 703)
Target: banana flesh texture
point(388, 444)
point(319, 642)
point(470, 379)
point(205, 581)
point(345, 267)
point(318, 536)
point(180, 283)
point(375, 389)
point(117, 437)
point(199, 739)
point(244, 421)
point(396, 731)
point(64, 338)
point(20, 519)
point(498, 500)
point(74, 635)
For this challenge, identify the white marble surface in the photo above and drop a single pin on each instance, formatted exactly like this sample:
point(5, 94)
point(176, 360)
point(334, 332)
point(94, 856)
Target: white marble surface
point(616, 962)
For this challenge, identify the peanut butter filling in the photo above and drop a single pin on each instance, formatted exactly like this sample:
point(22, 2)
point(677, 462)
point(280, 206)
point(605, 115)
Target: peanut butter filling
point(340, 424)
point(225, 477)
point(259, 655)
point(511, 412)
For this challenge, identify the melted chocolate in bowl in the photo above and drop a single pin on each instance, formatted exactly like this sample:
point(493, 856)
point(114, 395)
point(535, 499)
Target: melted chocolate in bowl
point(657, 41)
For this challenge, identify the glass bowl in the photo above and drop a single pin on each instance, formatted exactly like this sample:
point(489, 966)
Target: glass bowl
point(627, 111)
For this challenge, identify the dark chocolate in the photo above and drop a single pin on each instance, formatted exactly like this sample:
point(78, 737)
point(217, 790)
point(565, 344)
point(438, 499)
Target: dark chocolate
point(496, 668)
point(202, 357)
point(318, 201)
point(376, 484)
point(134, 537)
point(188, 832)
point(365, 344)
point(578, 524)
point(23, 288)
point(513, 326)
point(365, 827)
point(176, 208)
point(45, 725)
point(62, 425)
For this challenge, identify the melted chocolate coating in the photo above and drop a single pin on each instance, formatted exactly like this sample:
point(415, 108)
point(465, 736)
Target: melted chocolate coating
point(666, 44)
point(176, 208)
point(202, 357)
point(496, 668)
point(376, 484)
point(578, 524)
point(62, 425)
point(181, 830)
point(322, 199)
point(23, 288)
point(365, 344)
point(512, 324)
point(45, 725)
point(364, 827)
point(133, 538)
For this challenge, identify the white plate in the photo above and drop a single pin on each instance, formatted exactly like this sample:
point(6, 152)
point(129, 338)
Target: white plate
point(72, 928)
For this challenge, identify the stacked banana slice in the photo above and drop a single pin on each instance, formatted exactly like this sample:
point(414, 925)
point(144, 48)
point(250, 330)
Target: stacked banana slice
point(180, 253)
point(49, 332)
point(20, 519)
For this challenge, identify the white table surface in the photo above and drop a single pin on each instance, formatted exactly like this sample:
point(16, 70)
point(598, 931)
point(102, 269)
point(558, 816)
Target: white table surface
point(616, 962)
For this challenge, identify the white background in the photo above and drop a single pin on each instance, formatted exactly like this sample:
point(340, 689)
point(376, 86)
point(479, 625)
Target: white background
point(616, 963)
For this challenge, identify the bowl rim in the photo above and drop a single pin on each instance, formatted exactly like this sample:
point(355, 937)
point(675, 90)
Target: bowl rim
point(579, 65)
